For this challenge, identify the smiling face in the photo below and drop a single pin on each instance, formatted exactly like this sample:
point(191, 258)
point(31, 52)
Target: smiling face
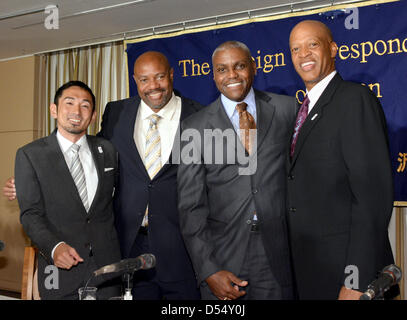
point(233, 72)
point(74, 112)
point(312, 51)
point(154, 79)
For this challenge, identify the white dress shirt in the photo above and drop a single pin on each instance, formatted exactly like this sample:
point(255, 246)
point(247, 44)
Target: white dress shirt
point(167, 126)
point(88, 165)
point(318, 89)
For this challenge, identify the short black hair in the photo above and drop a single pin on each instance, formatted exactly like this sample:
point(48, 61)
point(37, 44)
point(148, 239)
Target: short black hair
point(74, 83)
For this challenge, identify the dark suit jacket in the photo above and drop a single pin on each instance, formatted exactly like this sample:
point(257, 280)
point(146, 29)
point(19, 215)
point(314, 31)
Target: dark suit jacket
point(340, 192)
point(136, 189)
point(52, 210)
point(217, 204)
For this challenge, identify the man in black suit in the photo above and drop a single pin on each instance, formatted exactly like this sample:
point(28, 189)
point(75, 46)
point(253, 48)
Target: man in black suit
point(340, 188)
point(65, 197)
point(233, 221)
point(146, 197)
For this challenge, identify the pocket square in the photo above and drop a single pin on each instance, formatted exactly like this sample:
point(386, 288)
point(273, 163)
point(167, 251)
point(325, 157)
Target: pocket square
point(108, 169)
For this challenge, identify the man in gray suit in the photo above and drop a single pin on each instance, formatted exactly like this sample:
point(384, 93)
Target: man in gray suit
point(65, 184)
point(234, 223)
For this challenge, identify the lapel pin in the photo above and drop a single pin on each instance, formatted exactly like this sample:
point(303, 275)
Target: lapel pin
point(314, 116)
point(100, 149)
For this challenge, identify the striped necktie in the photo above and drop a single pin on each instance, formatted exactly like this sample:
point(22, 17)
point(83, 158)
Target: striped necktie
point(152, 155)
point(78, 176)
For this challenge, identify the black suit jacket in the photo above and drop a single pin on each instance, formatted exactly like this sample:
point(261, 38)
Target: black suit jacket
point(135, 190)
point(217, 202)
point(52, 210)
point(340, 192)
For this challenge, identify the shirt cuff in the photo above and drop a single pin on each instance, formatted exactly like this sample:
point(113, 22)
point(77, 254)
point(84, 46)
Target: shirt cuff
point(52, 252)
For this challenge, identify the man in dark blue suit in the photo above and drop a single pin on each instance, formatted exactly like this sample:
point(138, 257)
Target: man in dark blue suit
point(144, 129)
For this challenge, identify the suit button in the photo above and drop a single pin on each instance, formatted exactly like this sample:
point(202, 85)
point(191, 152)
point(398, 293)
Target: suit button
point(292, 209)
point(87, 220)
point(150, 185)
point(291, 177)
point(254, 191)
point(249, 221)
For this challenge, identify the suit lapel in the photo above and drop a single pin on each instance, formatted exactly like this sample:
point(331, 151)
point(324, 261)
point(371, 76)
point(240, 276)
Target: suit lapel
point(218, 117)
point(315, 115)
point(129, 120)
point(265, 113)
point(99, 160)
point(186, 110)
point(60, 167)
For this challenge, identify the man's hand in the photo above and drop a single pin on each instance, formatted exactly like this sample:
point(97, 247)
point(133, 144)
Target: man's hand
point(349, 294)
point(225, 285)
point(65, 257)
point(9, 189)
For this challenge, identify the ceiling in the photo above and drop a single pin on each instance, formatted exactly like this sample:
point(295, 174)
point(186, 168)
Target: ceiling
point(23, 31)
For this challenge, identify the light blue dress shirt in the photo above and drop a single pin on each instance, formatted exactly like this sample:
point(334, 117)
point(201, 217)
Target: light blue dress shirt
point(233, 114)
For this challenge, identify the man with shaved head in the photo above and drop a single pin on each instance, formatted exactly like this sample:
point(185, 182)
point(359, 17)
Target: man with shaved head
point(143, 130)
point(340, 188)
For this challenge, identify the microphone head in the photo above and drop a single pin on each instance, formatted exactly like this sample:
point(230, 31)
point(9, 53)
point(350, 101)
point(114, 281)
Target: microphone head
point(148, 261)
point(394, 271)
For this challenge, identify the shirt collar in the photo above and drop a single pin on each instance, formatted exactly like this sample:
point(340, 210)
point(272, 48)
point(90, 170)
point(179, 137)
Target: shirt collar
point(167, 112)
point(65, 144)
point(230, 105)
point(319, 88)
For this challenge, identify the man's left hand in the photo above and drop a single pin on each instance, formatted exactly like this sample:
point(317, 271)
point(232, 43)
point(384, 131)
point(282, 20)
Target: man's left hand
point(349, 294)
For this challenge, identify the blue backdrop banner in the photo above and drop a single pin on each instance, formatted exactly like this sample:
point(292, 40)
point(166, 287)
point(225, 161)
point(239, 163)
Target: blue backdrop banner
point(372, 41)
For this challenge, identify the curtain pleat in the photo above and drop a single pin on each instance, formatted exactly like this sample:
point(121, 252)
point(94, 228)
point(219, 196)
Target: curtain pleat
point(101, 67)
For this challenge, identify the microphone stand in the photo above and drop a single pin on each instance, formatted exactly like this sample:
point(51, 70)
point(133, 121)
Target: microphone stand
point(128, 285)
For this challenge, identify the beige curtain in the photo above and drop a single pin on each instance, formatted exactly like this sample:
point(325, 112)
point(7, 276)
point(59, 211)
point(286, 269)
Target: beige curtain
point(101, 67)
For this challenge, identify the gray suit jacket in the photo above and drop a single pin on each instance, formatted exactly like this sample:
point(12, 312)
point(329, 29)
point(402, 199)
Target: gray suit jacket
point(52, 211)
point(217, 203)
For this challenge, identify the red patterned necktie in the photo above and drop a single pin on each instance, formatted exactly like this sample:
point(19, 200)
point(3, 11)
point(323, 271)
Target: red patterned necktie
point(246, 122)
point(302, 115)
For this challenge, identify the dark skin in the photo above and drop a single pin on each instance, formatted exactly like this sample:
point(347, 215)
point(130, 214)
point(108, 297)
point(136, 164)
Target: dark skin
point(154, 79)
point(313, 54)
point(234, 72)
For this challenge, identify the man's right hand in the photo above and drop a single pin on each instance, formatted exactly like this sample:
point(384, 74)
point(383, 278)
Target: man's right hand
point(225, 285)
point(9, 189)
point(65, 257)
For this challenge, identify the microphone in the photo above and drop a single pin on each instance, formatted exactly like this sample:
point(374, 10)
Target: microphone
point(390, 276)
point(143, 262)
point(1, 245)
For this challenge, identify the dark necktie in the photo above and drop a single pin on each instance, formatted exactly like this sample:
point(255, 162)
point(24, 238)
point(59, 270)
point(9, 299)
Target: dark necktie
point(302, 115)
point(246, 122)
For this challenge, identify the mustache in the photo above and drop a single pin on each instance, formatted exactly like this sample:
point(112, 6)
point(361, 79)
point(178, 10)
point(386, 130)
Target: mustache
point(154, 91)
point(74, 116)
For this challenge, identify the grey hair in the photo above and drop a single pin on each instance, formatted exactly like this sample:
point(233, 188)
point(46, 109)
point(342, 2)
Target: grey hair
point(230, 45)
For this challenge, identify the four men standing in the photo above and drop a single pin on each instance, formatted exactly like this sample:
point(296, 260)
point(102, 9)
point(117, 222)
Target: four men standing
point(238, 229)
